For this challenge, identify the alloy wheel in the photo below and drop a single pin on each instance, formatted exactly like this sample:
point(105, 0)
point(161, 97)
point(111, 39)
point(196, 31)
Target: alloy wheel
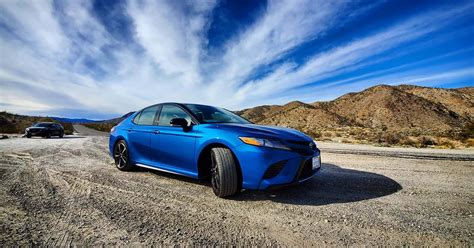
point(120, 155)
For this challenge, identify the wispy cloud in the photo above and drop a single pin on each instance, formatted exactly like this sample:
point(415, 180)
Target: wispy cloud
point(351, 55)
point(61, 58)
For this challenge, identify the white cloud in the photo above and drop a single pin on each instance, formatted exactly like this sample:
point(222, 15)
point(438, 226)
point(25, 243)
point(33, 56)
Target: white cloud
point(59, 55)
point(173, 38)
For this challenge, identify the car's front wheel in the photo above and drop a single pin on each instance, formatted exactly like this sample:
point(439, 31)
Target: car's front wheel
point(61, 134)
point(224, 176)
point(121, 156)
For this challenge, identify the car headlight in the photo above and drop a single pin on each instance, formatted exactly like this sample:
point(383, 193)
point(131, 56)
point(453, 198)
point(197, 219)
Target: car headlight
point(264, 142)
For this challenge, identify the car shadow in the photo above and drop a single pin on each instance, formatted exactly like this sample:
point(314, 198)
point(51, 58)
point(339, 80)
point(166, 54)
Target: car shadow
point(55, 137)
point(331, 185)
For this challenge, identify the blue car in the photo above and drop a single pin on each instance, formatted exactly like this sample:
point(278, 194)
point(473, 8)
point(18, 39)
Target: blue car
point(206, 142)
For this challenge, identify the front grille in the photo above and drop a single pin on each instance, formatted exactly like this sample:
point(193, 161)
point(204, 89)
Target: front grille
point(304, 148)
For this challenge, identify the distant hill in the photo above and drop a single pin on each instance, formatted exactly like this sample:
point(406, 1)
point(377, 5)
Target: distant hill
point(72, 120)
point(106, 125)
point(119, 119)
point(83, 120)
point(404, 110)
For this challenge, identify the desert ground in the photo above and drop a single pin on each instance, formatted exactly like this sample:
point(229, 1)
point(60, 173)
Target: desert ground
point(67, 192)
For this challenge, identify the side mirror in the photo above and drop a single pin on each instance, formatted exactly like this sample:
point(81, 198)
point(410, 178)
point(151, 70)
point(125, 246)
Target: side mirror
point(179, 122)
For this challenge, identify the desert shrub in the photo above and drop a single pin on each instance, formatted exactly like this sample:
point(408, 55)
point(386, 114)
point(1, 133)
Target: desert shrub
point(328, 134)
point(410, 141)
point(68, 129)
point(391, 138)
point(101, 126)
point(467, 132)
point(444, 142)
point(357, 132)
point(314, 133)
point(345, 141)
point(427, 141)
point(469, 142)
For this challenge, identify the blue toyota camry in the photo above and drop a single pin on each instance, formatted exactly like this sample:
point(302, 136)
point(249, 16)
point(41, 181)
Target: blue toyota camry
point(208, 142)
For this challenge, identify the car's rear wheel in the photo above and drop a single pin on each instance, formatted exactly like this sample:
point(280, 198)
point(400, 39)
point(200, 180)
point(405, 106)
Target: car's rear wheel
point(224, 176)
point(61, 135)
point(28, 135)
point(48, 135)
point(121, 156)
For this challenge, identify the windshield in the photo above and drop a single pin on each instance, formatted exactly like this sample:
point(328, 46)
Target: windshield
point(209, 114)
point(42, 125)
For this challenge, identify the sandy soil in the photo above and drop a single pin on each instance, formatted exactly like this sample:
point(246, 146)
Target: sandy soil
point(62, 192)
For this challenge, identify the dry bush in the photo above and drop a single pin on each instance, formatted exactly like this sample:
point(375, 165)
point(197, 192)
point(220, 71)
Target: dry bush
point(469, 142)
point(101, 126)
point(314, 133)
point(426, 141)
point(390, 138)
point(328, 134)
point(346, 141)
point(410, 141)
point(444, 142)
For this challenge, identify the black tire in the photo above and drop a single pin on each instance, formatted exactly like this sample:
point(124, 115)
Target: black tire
point(61, 135)
point(48, 135)
point(121, 156)
point(28, 135)
point(224, 176)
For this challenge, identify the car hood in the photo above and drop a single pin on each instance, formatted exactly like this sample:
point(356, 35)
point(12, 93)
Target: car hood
point(263, 131)
point(39, 128)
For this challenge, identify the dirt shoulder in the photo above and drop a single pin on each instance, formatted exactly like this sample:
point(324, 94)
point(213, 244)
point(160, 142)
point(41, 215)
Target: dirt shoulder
point(65, 192)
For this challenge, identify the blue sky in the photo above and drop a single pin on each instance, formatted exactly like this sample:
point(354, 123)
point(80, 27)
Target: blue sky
point(100, 59)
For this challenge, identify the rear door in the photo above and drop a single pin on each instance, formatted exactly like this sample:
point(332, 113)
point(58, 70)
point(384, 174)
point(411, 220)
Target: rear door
point(139, 135)
point(172, 147)
point(53, 129)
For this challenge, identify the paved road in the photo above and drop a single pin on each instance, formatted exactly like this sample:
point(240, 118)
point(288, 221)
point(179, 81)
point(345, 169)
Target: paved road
point(85, 131)
point(67, 192)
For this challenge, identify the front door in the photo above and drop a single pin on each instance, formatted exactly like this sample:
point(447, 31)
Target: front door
point(172, 146)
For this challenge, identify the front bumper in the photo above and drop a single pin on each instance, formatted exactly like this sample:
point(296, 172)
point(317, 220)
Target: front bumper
point(264, 167)
point(40, 132)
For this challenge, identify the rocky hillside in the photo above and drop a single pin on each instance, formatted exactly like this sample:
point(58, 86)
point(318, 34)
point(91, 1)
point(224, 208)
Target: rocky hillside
point(404, 109)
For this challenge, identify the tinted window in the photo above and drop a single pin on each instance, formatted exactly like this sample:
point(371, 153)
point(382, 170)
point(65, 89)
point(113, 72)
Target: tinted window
point(135, 119)
point(210, 114)
point(147, 116)
point(169, 112)
point(42, 125)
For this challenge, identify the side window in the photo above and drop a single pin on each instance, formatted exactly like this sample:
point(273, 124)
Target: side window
point(169, 112)
point(136, 118)
point(147, 116)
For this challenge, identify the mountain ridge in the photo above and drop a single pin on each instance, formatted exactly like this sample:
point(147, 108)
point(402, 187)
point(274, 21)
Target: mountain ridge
point(407, 110)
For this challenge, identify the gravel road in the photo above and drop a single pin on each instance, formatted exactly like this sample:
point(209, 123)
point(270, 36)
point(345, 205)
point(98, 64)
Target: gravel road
point(66, 192)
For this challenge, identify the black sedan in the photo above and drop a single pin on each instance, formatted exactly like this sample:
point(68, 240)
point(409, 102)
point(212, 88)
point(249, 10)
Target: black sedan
point(45, 129)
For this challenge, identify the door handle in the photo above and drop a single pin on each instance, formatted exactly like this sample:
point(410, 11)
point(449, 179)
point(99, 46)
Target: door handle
point(156, 131)
point(130, 130)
